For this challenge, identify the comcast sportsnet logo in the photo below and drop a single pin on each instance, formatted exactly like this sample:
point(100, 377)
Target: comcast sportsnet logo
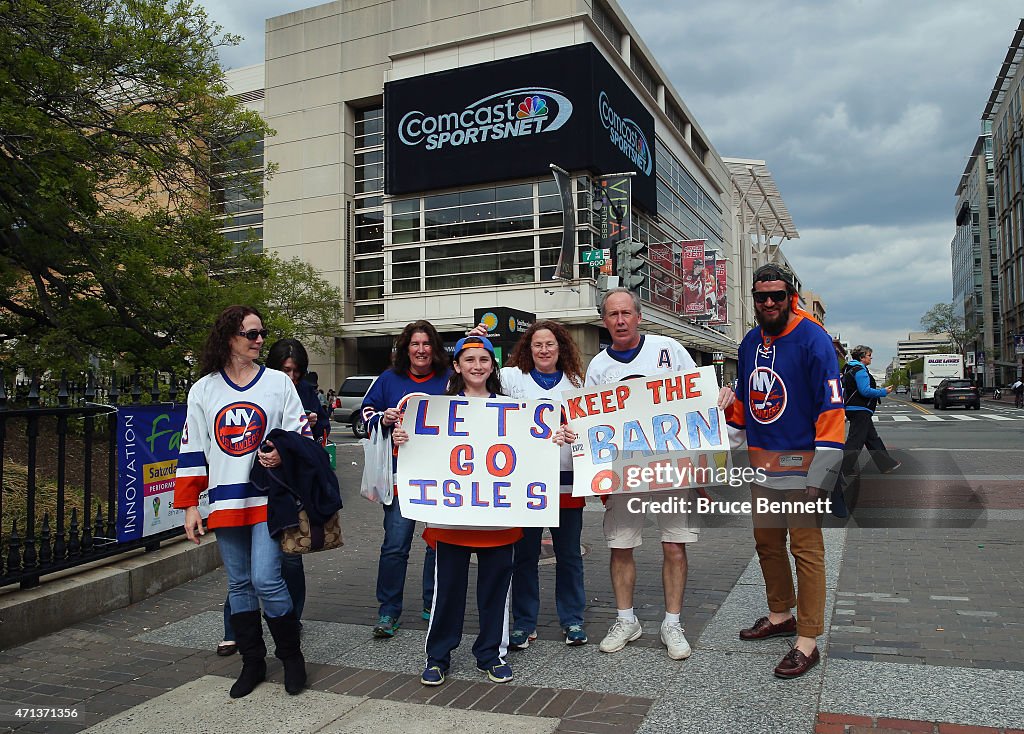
point(239, 428)
point(512, 113)
point(625, 135)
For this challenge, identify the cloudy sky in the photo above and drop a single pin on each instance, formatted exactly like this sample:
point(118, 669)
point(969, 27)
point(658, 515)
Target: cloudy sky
point(865, 112)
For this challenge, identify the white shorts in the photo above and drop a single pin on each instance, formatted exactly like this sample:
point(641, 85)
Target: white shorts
point(624, 529)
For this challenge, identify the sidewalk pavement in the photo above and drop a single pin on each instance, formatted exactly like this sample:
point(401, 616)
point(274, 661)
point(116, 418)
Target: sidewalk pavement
point(924, 632)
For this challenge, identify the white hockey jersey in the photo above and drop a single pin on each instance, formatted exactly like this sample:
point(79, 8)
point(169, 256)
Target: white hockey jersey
point(224, 426)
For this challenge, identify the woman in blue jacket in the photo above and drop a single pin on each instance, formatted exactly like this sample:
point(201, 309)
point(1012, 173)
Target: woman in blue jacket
point(862, 396)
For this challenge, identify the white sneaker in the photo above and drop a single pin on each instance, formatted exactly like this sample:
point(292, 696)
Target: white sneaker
point(620, 633)
point(674, 639)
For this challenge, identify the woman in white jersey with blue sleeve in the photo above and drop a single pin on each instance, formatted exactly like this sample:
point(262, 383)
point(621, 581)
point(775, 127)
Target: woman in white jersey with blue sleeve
point(234, 405)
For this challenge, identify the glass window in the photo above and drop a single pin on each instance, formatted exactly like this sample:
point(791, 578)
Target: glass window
point(369, 278)
point(369, 130)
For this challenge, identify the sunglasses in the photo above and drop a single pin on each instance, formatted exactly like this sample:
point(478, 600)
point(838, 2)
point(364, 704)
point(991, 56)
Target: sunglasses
point(254, 334)
point(776, 296)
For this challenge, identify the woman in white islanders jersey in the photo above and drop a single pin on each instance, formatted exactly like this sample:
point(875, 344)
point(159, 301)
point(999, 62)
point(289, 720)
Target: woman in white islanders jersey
point(231, 409)
point(544, 364)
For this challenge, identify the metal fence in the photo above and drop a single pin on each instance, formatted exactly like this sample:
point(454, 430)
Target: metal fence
point(36, 545)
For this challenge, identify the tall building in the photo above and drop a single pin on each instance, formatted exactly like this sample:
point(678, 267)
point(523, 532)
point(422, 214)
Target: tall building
point(815, 304)
point(414, 144)
point(919, 343)
point(1003, 111)
point(975, 262)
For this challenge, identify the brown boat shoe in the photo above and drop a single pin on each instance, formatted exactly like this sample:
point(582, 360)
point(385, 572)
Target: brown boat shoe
point(795, 663)
point(763, 629)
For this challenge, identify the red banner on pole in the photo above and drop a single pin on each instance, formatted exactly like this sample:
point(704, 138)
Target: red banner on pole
point(693, 265)
point(721, 278)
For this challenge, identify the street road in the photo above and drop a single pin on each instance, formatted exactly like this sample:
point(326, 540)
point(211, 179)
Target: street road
point(961, 468)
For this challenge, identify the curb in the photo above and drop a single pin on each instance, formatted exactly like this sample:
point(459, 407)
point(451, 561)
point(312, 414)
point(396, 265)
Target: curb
point(26, 614)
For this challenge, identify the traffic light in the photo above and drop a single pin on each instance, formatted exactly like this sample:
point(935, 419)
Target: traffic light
point(630, 264)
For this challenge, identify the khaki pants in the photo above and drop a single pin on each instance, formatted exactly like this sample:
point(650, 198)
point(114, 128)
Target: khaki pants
point(808, 548)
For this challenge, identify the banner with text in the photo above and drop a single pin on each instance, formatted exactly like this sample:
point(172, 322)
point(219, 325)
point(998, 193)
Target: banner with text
point(479, 462)
point(148, 437)
point(649, 433)
point(693, 279)
point(722, 292)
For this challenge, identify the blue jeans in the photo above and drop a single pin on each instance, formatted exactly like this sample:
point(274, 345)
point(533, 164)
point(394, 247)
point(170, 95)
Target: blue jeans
point(394, 560)
point(294, 578)
point(252, 560)
point(570, 599)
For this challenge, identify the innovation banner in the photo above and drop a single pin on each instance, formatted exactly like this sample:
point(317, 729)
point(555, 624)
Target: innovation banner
point(148, 438)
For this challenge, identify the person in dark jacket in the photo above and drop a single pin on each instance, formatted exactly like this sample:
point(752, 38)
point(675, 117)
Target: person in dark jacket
point(862, 395)
point(303, 480)
point(290, 357)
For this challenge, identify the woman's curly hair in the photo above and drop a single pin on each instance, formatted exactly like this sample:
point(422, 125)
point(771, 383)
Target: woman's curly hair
point(568, 354)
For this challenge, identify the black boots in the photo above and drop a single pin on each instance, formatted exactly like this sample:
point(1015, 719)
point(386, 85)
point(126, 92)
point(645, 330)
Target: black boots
point(249, 638)
point(286, 635)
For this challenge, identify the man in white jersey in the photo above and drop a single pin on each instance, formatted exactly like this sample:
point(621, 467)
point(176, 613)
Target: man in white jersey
point(633, 354)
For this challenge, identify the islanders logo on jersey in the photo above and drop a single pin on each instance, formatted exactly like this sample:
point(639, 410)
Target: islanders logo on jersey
point(766, 395)
point(239, 428)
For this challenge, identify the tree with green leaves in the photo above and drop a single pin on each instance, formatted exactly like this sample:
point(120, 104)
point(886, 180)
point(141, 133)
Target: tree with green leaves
point(942, 318)
point(115, 121)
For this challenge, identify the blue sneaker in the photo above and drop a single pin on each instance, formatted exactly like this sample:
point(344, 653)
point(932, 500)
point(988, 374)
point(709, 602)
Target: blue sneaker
point(498, 673)
point(425, 614)
point(521, 639)
point(575, 635)
point(386, 627)
point(432, 676)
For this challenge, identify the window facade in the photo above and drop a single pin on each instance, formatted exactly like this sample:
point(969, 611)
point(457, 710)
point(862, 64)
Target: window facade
point(496, 235)
point(368, 232)
point(234, 200)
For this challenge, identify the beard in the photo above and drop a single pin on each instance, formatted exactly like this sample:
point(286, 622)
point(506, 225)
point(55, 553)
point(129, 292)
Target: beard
point(773, 326)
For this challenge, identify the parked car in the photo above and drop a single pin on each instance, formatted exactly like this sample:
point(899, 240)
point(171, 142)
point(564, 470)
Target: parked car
point(350, 399)
point(901, 390)
point(957, 392)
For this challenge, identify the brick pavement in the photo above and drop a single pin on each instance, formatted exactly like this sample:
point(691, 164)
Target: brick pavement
point(899, 585)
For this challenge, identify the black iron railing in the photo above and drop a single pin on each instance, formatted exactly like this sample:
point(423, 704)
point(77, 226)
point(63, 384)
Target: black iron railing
point(32, 545)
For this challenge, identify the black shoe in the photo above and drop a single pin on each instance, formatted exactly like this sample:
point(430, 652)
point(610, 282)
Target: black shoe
point(249, 639)
point(285, 630)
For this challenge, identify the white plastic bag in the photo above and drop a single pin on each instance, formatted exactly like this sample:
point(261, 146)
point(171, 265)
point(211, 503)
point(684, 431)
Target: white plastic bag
point(378, 482)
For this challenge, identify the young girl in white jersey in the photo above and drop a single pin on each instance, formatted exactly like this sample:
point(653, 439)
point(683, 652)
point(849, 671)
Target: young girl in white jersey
point(476, 376)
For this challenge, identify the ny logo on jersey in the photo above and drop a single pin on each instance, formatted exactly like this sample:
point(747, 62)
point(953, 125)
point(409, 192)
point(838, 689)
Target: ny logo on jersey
point(766, 395)
point(239, 428)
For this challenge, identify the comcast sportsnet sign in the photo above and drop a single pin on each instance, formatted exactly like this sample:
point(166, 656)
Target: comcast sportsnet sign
point(514, 117)
point(512, 113)
point(626, 135)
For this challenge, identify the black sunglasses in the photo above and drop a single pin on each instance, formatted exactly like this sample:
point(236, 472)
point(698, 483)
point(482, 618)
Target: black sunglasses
point(254, 334)
point(776, 296)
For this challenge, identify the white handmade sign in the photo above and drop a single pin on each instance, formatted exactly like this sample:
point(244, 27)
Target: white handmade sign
point(479, 462)
point(648, 434)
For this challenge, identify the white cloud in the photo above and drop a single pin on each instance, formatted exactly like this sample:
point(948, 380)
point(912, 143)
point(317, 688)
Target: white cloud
point(864, 111)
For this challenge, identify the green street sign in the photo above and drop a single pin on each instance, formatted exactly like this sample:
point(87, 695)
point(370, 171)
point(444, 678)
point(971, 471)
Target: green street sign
point(594, 256)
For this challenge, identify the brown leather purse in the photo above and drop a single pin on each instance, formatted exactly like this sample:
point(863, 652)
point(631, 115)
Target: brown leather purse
point(308, 538)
